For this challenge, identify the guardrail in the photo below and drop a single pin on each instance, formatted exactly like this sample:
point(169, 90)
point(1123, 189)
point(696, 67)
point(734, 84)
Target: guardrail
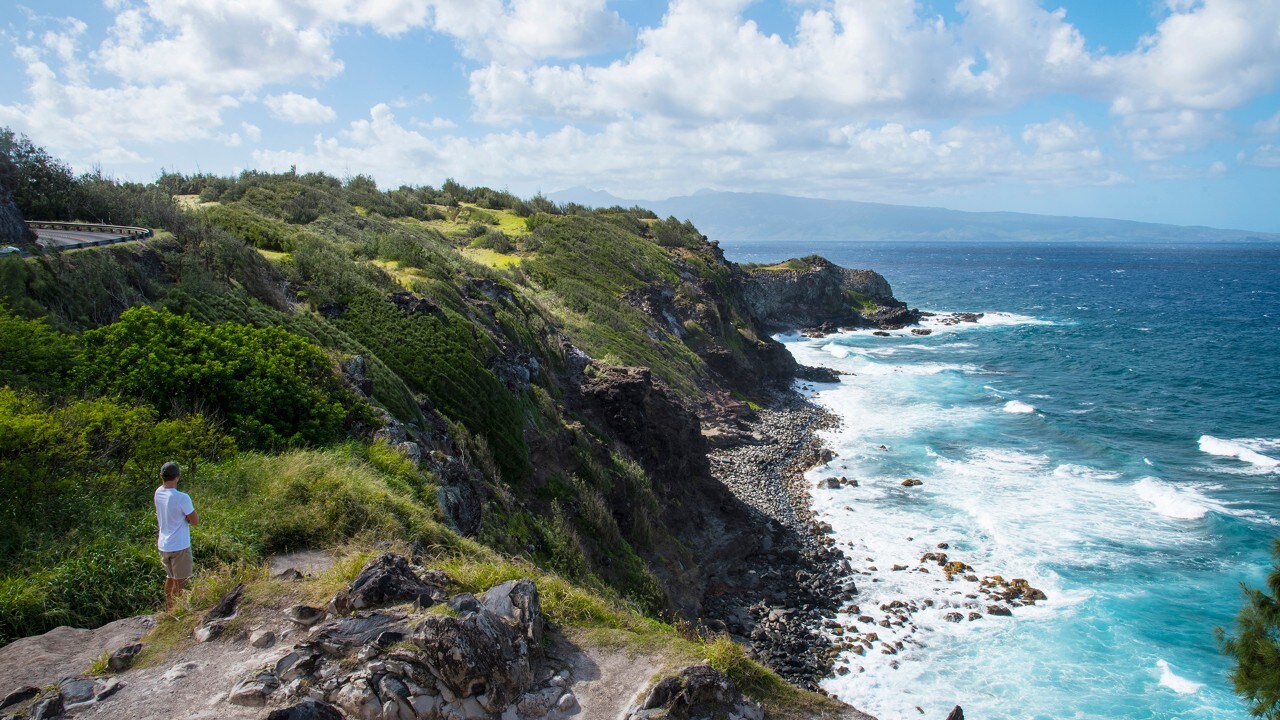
point(120, 233)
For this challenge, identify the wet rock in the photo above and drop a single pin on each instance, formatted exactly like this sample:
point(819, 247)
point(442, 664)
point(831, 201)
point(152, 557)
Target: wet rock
point(122, 659)
point(1000, 610)
point(881, 333)
point(921, 331)
point(386, 580)
point(911, 482)
point(954, 617)
point(307, 710)
point(955, 714)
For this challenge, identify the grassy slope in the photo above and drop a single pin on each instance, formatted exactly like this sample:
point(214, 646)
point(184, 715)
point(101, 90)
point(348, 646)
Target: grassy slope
point(341, 264)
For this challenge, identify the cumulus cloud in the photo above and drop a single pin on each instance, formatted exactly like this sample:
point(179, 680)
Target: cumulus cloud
point(856, 96)
point(299, 109)
point(654, 157)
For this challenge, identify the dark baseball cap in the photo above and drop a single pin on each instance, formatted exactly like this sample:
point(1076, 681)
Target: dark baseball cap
point(170, 470)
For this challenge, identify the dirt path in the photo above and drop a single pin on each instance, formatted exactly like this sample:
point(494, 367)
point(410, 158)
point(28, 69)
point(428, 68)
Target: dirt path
point(607, 679)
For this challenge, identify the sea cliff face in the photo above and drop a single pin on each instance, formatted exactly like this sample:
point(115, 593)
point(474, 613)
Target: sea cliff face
point(813, 293)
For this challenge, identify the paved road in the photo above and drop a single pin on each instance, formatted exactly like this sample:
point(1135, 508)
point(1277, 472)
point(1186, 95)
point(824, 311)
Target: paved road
point(70, 238)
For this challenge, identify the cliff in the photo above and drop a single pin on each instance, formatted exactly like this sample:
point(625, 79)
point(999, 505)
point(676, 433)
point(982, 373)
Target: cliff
point(812, 292)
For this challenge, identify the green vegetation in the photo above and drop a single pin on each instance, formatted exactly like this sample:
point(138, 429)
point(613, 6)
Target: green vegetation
point(272, 387)
point(274, 337)
point(1255, 645)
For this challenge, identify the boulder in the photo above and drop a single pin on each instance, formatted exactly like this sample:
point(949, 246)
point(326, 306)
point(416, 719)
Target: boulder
point(226, 607)
point(698, 691)
point(47, 708)
point(955, 714)
point(122, 659)
point(476, 655)
point(384, 581)
point(75, 690)
point(262, 638)
point(18, 696)
point(304, 615)
point(911, 482)
point(516, 601)
point(999, 610)
point(253, 691)
point(307, 710)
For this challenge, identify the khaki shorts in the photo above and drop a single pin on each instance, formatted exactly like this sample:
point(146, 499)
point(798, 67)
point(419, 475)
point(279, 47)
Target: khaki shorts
point(177, 564)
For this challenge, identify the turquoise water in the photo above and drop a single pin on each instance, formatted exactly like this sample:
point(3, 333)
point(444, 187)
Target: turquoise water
point(1109, 431)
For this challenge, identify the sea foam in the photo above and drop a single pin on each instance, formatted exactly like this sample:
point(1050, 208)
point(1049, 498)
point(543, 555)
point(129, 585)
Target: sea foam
point(1172, 502)
point(1017, 406)
point(1237, 449)
point(1176, 683)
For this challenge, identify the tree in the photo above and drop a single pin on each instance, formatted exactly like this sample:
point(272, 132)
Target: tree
point(1256, 645)
point(45, 189)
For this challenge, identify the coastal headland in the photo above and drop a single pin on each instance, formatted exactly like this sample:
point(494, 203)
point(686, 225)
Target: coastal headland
point(494, 390)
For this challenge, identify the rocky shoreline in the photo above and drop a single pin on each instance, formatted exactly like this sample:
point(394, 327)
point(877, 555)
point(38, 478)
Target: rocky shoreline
point(788, 605)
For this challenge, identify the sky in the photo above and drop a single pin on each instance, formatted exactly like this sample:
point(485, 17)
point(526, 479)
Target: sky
point(1153, 110)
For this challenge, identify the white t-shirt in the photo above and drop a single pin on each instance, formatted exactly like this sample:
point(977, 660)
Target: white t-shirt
point(172, 508)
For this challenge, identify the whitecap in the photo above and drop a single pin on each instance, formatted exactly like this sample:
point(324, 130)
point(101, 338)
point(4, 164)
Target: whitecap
point(1082, 472)
point(1237, 449)
point(1176, 683)
point(1182, 504)
point(1019, 407)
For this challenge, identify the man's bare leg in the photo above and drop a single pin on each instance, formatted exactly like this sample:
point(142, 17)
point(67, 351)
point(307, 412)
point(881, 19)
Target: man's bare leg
point(172, 588)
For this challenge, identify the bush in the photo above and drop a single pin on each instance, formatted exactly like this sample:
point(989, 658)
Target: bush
point(272, 388)
point(33, 355)
point(263, 232)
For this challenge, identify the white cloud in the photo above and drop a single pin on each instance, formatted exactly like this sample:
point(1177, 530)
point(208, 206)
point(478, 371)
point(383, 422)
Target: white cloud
point(299, 109)
point(655, 157)
point(704, 61)
point(1267, 156)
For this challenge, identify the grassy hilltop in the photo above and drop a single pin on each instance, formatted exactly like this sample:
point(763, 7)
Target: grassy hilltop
point(337, 365)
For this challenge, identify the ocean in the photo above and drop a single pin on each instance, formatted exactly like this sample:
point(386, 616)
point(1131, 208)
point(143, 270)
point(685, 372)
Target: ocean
point(1109, 431)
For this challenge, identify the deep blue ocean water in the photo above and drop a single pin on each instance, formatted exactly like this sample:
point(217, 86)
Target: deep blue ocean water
point(1110, 431)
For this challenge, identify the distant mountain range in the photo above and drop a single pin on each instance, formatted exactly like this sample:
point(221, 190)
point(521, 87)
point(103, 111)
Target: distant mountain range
point(732, 216)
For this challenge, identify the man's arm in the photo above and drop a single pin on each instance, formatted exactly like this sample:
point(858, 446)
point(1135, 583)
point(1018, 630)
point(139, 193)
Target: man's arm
point(193, 518)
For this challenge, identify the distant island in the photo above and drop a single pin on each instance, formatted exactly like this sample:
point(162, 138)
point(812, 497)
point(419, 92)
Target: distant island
point(768, 216)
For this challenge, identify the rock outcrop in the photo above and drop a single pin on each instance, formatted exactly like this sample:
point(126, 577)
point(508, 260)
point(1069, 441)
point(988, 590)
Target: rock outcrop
point(479, 659)
point(814, 293)
point(13, 230)
point(697, 692)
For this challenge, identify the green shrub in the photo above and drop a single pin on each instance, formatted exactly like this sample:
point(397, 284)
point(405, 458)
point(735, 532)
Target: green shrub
point(33, 355)
point(273, 388)
point(267, 233)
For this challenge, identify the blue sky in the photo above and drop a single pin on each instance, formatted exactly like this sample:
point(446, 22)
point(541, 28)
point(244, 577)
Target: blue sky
point(1156, 110)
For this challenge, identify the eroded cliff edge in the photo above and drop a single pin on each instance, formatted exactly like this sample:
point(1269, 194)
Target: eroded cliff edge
point(813, 293)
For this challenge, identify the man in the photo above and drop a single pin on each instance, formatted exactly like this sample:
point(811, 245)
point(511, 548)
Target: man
point(175, 514)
